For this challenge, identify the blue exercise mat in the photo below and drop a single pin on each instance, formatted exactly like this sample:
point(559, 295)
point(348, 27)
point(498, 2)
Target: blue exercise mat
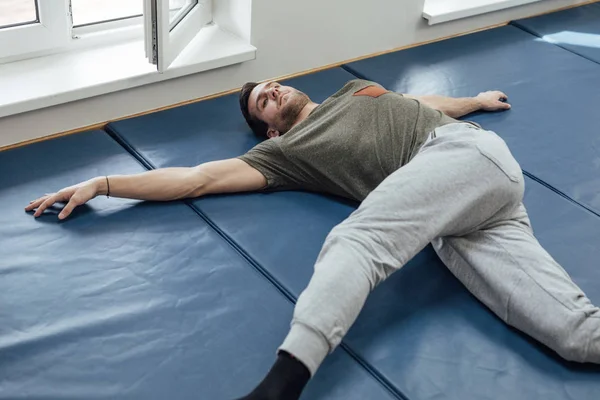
point(552, 128)
point(132, 300)
point(576, 29)
point(215, 129)
point(466, 351)
point(434, 340)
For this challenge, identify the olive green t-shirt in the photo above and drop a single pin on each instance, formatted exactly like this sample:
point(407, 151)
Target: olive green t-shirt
point(348, 144)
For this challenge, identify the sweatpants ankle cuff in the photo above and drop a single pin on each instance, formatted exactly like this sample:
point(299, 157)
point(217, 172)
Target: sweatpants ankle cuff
point(307, 345)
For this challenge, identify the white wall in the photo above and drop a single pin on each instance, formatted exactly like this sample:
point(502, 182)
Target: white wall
point(291, 36)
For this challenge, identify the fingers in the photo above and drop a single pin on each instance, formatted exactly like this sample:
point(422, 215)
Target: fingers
point(503, 101)
point(496, 100)
point(502, 105)
point(43, 203)
point(501, 96)
point(36, 203)
point(48, 202)
point(66, 211)
point(68, 195)
point(494, 94)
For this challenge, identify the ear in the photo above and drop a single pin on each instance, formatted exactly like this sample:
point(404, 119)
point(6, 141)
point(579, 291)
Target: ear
point(271, 133)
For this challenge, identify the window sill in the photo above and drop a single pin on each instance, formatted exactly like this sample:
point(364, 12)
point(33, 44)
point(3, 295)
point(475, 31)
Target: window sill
point(438, 11)
point(46, 81)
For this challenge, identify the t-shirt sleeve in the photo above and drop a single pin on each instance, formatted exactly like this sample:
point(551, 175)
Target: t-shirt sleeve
point(268, 159)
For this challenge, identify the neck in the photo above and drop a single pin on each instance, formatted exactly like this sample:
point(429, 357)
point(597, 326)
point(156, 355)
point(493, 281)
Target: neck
point(305, 112)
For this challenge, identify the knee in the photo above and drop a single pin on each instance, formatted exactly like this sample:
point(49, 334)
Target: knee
point(581, 345)
point(572, 349)
point(359, 253)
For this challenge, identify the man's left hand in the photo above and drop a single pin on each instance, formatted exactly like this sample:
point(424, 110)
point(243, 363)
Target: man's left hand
point(492, 101)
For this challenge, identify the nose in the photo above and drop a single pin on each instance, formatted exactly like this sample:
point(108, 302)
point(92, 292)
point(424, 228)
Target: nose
point(273, 92)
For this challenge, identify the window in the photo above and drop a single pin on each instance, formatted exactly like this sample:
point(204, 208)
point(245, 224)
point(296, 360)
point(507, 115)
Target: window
point(29, 28)
point(170, 26)
point(87, 12)
point(19, 12)
point(57, 51)
point(438, 11)
point(178, 10)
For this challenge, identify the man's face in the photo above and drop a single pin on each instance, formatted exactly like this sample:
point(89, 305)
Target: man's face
point(278, 106)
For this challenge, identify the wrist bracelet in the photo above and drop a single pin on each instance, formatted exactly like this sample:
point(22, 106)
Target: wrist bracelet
point(107, 187)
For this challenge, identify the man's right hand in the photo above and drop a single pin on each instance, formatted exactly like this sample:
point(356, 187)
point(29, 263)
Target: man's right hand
point(73, 195)
point(162, 184)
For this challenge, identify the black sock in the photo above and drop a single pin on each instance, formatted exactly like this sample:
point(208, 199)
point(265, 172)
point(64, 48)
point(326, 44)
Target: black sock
point(285, 380)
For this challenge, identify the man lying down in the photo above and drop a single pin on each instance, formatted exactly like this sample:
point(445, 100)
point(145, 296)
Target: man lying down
point(421, 177)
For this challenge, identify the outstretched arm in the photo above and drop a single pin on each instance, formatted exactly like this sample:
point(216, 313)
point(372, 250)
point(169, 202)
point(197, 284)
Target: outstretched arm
point(458, 107)
point(225, 176)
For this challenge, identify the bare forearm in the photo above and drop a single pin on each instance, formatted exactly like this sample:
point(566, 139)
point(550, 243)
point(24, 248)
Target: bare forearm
point(158, 185)
point(453, 107)
point(223, 176)
point(492, 100)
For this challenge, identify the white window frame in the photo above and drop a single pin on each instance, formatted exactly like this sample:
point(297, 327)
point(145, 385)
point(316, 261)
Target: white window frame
point(105, 33)
point(55, 33)
point(42, 39)
point(98, 61)
point(51, 31)
point(165, 42)
point(439, 11)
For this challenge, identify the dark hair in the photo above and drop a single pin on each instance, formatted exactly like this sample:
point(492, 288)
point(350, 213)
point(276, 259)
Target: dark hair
point(258, 127)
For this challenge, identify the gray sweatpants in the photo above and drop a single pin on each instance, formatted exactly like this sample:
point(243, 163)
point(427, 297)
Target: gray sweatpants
point(463, 193)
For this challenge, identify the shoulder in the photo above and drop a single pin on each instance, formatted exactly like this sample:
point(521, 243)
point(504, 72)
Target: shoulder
point(266, 147)
point(355, 86)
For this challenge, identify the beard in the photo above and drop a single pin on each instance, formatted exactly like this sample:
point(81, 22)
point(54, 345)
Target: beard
point(290, 111)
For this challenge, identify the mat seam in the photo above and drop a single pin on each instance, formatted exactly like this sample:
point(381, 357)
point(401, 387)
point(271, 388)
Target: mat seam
point(348, 69)
point(378, 376)
point(375, 374)
point(517, 25)
point(363, 363)
point(560, 193)
point(148, 165)
point(397, 393)
point(128, 147)
point(528, 174)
